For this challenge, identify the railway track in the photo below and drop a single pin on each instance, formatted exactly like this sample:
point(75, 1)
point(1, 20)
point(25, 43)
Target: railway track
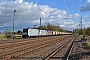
point(80, 51)
point(15, 50)
point(55, 53)
point(20, 43)
point(49, 52)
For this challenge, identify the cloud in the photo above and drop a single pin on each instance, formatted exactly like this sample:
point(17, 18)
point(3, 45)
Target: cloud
point(19, 1)
point(86, 7)
point(87, 16)
point(76, 15)
point(2, 25)
point(88, 0)
point(28, 14)
point(86, 24)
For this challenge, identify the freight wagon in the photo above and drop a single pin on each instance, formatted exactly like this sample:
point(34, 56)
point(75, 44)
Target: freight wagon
point(43, 32)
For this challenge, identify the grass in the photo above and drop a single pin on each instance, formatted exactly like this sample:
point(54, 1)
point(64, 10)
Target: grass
point(2, 37)
point(18, 37)
point(88, 44)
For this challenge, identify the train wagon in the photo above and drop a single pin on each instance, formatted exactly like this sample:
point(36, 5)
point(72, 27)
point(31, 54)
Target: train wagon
point(54, 33)
point(33, 32)
point(43, 32)
point(50, 33)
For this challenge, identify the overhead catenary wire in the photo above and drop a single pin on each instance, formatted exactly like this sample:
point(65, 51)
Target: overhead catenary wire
point(69, 6)
point(70, 11)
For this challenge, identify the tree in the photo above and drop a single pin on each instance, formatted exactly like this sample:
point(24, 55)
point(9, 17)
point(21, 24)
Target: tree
point(87, 31)
point(76, 31)
point(44, 27)
point(8, 34)
point(55, 28)
point(49, 26)
point(19, 32)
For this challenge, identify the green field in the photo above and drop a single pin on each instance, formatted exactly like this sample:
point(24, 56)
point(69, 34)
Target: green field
point(18, 37)
point(88, 44)
point(2, 37)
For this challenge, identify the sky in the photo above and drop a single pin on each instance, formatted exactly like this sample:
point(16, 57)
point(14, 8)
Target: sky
point(63, 13)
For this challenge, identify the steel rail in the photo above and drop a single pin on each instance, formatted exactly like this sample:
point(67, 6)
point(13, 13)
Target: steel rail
point(70, 49)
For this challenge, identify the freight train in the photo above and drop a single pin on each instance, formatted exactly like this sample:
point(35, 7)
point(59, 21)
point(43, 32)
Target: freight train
point(28, 32)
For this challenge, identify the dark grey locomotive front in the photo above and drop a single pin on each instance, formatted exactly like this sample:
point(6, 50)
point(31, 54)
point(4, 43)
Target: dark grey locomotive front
point(25, 33)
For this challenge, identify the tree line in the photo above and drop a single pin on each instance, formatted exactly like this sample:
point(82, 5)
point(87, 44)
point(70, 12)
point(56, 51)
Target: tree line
point(51, 27)
point(83, 31)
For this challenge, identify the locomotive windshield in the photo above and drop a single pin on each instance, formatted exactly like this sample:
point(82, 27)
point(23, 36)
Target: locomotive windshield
point(25, 30)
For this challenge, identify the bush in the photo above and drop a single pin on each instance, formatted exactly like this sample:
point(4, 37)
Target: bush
point(19, 32)
point(8, 34)
point(88, 44)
